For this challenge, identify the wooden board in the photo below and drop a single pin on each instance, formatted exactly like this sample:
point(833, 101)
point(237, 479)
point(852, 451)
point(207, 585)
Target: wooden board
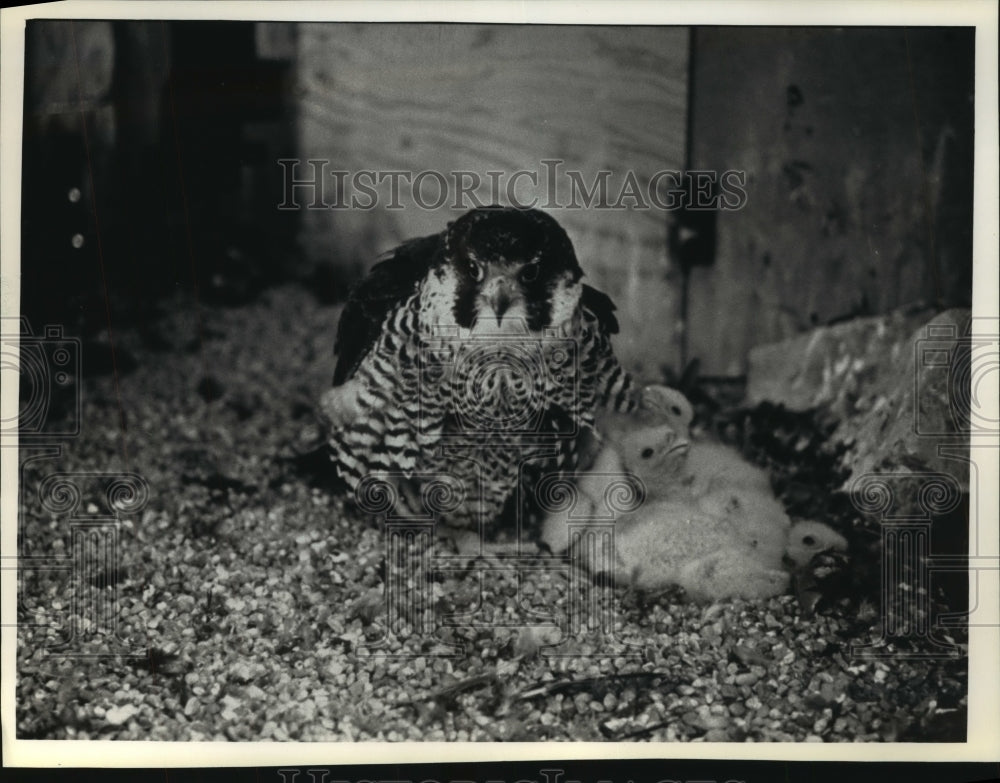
point(857, 145)
point(478, 98)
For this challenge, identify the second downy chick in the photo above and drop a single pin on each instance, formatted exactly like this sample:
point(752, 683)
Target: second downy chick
point(709, 522)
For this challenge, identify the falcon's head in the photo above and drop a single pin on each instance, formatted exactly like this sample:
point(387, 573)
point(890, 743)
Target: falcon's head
point(514, 267)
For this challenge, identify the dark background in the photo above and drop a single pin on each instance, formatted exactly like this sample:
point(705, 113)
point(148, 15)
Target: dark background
point(857, 145)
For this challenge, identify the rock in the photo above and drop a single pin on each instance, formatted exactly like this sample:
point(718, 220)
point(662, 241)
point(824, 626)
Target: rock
point(116, 716)
point(532, 638)
point(241, 672)
point(715, 722)
point(898, 384)
point(826, 366)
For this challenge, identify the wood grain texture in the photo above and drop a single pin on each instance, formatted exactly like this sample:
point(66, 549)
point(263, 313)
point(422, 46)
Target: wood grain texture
point(69, 65)
point(857, 148)
point(478, 98)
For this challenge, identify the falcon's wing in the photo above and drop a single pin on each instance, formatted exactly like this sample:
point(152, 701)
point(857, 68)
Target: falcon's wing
point(387, 284)
point(614, 387)
point(600, 305)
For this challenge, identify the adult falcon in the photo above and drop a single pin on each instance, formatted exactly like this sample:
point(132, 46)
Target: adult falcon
point(470, 363)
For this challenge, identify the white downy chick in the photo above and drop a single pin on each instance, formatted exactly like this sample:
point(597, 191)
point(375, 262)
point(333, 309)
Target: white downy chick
point(710, 521)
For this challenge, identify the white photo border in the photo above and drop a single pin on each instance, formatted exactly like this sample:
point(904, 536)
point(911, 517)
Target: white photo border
point(983, 741)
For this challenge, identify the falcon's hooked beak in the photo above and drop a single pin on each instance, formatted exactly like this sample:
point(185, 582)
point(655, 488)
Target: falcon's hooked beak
point(500, 303)
point(500, 293)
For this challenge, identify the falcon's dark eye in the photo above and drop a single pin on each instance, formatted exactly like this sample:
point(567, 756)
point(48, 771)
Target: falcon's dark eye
point(646, 453)
point(529, 273)
point(809, 541)
point(676, 410)
point(475, 271)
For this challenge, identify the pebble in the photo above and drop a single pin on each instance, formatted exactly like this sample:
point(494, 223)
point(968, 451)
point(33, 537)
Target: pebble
point(269, 634)
point(241, 672)
point(714, 721)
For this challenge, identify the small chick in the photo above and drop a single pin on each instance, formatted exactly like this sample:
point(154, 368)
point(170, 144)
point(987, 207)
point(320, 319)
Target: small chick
point(808, 539)
point(706, 479)
point(711, 466)
point(675, 542)
point(817, 556)
point(650, 444)
point(710, 521)
point(653, 441)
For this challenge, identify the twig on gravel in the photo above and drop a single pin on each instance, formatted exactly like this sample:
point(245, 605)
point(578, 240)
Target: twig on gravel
point(562, 686)
point(645, 731)
point(452, 690)
point(155, 661)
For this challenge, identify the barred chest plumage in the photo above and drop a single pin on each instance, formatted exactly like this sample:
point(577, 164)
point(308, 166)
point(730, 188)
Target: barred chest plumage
point(474, 358)
point(487, 407)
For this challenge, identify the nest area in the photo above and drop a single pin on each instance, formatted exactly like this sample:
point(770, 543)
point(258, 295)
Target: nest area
point(248, 594)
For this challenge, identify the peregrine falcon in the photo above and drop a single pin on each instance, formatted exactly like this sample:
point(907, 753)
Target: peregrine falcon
point(472, 360)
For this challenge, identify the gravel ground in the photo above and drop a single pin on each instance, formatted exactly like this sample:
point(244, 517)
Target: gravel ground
point(250, 594)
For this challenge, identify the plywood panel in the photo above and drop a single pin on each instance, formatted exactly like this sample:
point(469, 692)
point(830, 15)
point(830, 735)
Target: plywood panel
point(450, 98)
point(857, 149)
